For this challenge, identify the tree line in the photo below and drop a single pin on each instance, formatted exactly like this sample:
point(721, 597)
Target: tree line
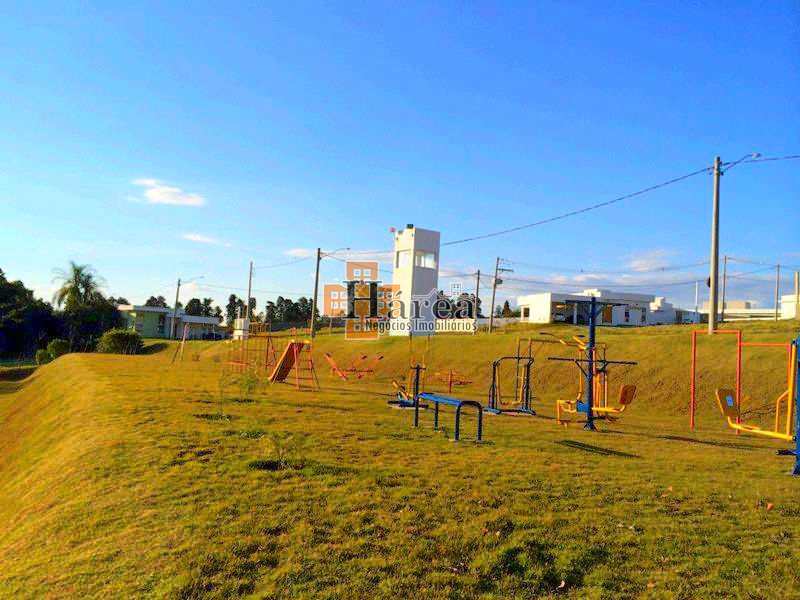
point(79, 313)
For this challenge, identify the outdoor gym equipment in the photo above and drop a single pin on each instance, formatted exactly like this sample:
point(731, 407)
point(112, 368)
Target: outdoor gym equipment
point(436, 400)
point(795, 401)
point(729, 399)
point(594, 368)
point(782, 430)
point(452, 378)
point(726, 399)
point(626, 395)
point(521, 402)
point(403, 399)
point(296, 357)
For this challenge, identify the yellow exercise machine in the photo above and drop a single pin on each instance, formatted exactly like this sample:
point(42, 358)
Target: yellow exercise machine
point(727, 400)
point(627, 392)
point(593, 365)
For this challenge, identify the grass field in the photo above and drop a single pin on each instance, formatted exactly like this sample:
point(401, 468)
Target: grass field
point(131, 476)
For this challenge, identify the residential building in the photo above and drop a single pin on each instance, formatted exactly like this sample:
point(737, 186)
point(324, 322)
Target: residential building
point(334, 299)
point(618, 308)
point(748, 310)
point(156, 322)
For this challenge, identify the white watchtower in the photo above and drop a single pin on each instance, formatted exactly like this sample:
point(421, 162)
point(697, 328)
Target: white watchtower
point(416, 274)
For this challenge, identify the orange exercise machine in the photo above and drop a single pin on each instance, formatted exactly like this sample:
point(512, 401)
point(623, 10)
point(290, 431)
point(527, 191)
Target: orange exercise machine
point(729, 399)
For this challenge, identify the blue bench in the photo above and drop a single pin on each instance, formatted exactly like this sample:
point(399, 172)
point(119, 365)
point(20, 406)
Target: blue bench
point(459, 404)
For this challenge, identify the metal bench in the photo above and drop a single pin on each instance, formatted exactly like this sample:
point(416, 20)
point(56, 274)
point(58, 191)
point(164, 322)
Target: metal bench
point(459, 404)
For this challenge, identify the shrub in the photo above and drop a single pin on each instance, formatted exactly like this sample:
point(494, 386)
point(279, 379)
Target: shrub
point(43, 356)
point(120, 341)
point(57, 347)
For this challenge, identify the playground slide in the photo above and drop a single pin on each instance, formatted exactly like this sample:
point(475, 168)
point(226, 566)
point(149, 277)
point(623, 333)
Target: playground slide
point(286, 362)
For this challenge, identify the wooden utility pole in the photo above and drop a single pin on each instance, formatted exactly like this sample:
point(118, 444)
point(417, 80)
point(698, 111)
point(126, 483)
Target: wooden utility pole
point(477, 292)
point(777, 291)
point(714, 274)
point(316, 290)
point(724, 287)
point(249, 292)
point(173, 328)
point(494, 293)
point(497, 270)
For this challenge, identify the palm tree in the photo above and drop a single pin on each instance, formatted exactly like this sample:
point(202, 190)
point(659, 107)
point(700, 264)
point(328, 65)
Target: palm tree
point(80, 285)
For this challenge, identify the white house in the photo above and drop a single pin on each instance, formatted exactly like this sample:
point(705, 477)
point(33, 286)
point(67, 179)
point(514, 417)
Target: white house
point(623, 308)
point(157, 322)
point(790, 306)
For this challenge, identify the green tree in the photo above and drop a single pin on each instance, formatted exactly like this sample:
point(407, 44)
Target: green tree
point(87, 313)
point(234, 307)
point(270, 312)
point(80, 286)
point(25, 321)
point(507, 312)
point(159, 301)
point(194, 307)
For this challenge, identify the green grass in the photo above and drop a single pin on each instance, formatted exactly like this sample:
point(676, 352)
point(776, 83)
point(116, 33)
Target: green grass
point(131, 476)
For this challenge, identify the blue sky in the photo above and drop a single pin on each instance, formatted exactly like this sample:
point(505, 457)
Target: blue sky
point(155, 142)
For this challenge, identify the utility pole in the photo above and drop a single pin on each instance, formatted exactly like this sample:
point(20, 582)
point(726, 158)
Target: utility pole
point(249, 291)
point(724, 286)
point(477, 292)
point(316, 290)
point(777, 290)
point(714, 274)
point(497, 270)
point(697, 300)
point(174, 328)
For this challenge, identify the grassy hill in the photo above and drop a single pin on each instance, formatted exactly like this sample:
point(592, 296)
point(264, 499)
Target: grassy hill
point(126, 476)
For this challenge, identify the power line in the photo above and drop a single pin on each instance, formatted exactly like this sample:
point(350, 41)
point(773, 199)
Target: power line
point(606, 283)
point(580, 210)
point(283, 264)
point(772, 158)
point(612, 272)
point(208, 286)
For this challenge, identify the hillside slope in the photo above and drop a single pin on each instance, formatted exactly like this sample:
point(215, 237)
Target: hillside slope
point(126, 476)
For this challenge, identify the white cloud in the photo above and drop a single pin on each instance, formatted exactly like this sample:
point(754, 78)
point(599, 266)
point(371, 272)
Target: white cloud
point(299, 252)
point(204, 239)
point(157, 192)
point(649, 260)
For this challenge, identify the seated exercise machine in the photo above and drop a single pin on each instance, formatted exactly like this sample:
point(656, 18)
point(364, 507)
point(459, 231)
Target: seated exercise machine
point(593, 366)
